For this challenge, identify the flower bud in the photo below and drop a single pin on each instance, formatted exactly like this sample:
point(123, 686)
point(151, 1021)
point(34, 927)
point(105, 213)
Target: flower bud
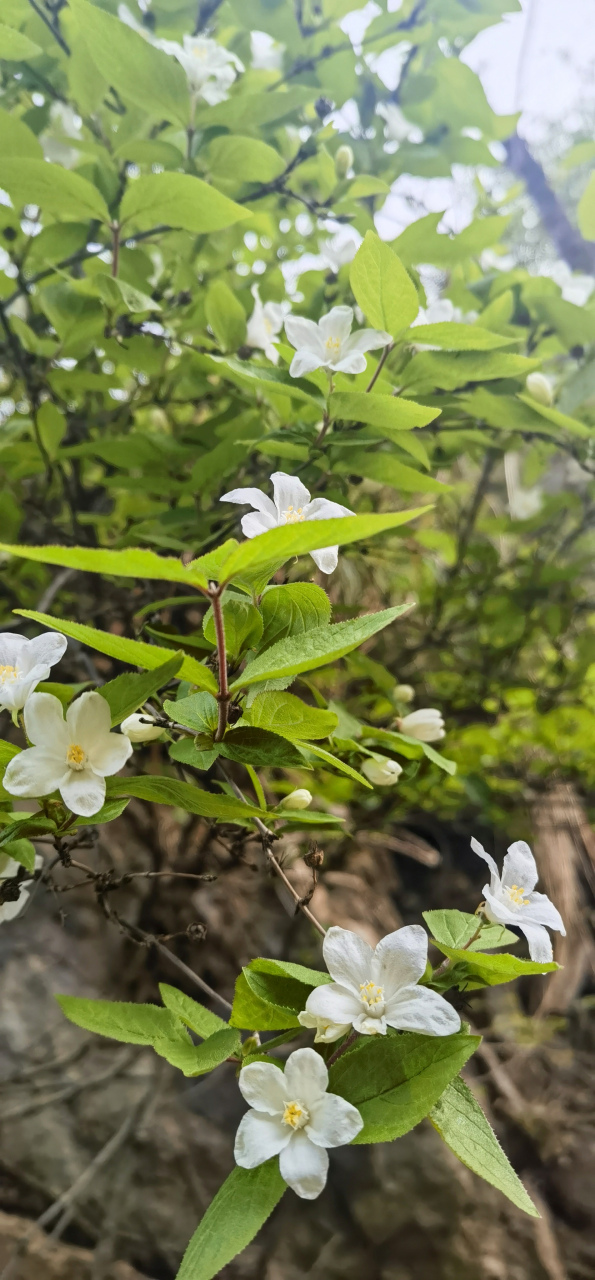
point(404, 693)
point(299, 799)
point(426, 725)
point(382, 771)
point(141, 728)
point(540, 388)
point(343, 161)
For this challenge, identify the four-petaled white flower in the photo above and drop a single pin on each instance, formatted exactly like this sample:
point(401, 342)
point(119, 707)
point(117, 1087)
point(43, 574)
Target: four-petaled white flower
point(330, 343)
point(426, 725)
point(326, 1032)
point(265, 324)
point(381, 770)
point(23, 663)
point(9, 868)
point(72, 756)
point(291, 505)
point(210, 68)
point(140, 727)
point(510, 899)
point(293, 1116)
point(374, 990)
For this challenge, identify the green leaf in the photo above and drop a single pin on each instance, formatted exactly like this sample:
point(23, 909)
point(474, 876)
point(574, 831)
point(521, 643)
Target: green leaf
point(16, 138)
point(128, 692)
point(184, 796)
point(133, 562)
point(335, 763)
point(15, 46)
point(315, 648)
point(289, 716)
point(58, 192)
point(35, 826)
point(287, 969)
point(110, 810)
point(451, 336)
point(198, 711)
point(586, 210)
point(457, 928)
point(386, 469)
point(489, 971)
point(252, 1013)
point(265, 381)
point(142, 74)
point(21, 851)
point(388, 413)
point(394, 1081)
point(283, 992)
point(225, 314)
point(186, 752)
point(244, 159)
point(7, 751)
point(260, 748)
point(291, 609)
point(296, 539)
point(145, 1024)
point(242, 623)
point(136, 652)
point(216, 1049)
point(118, 293)
point(395, 741)
point(190, 1012)
point(382, 287)
point(241, 1206)
point(461, 1123)
point(179, 200)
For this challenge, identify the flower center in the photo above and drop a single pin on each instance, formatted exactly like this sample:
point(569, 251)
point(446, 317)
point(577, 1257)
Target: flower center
point(75, 757)
point(517, 896)
point(7, 673)
point(294, 515)
point(332, 345)
point(372, 997)
point(295, 1115)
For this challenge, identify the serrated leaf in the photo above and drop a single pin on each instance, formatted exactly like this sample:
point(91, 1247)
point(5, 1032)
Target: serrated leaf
point(145, 1024)
point(190, 1012)
point(136, 652)
point(133, 562)
point(242, 624)
point(179, 200)
point(58, 192)
point(198, 711)
point(382, 287)
point(315, 648)
point(287, 969)
point(15, 46)
point(21, 851)
point(184, 796)
point(388, 413)
point(290, 609)
point(387, 469)
point(451, 336)
point(129, 691)
point(186, 752)
point(462, 1125)
point(241, 1206)
point(491, 970)
point(457, 928)
point(335, 763)
point(217, 1048)
point(252, 1013)
point(296, 539)
point(279, 990)
point(289, 716)
point(260, 748)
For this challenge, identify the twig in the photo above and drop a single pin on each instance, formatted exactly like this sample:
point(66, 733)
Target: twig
point(54, 29)
point(70, 1090)
point(351, 1039)
point(380, 365)
point(223, 695)
point(205, 13)
point(54, 587)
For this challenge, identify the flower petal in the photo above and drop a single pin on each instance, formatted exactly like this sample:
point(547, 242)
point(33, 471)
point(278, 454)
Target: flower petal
point(89, 721)
point(519, 867)
point(336, 325)
point(44, 724)
point(289, 492)
point(540, 943)
point(487, 857)
point(322, 509)
point(15, 693)
point(259, 1137)
point(305, 361)
point(348, 959)
point(304, 1166)
point(353, 362)
point(420, 1009)
point(110, 754)
point(366, 340)
point(333, 1122)
point(326, 559)
point(400, 958)
point(11, 648)
point(542, 911)
point(334, 1003)
point(326, 1032)
point(252, 498)
point(263, 1087)
point(306, 1076)
point(9, 910)
point(83, 792)
point(35, 772)
point(45, 650)
point(368, 1026)
point(255, 523)
point(304, 334)
point(498, 912)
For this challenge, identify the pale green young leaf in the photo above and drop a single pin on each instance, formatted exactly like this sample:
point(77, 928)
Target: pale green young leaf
point(252, 1013)
point(241, 1206)
point(462, 1125)
point(129, 691)
point(458, 928)
point(389, 413)
point(586, 210)
point(133, 562)
point(129, 1023)
point(335, 763)
point(198, 712)
point(20, 850)
point(315, 648)
point(286, 993)
point(186, 752)
point(16, 138)
point(451, 336)
point(15, 46)
point(387, 469)
point(297, 539)
point(382, 287)
point(289, 716)
point(491, 970)
point(58, 192)
point(194, 1015)
point(242, 622)
point(241, 159)
point(290, 609)
point(182, 795)
point(225, 314)
point(287, 969)
point(179, 200)
point(136, 652)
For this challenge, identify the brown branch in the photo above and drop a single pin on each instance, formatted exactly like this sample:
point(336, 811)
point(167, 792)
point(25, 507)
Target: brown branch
point(380, 365)
point(577, 252)
point(223, 696)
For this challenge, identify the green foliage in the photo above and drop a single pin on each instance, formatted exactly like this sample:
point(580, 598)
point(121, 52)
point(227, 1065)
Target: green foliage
point(459, 929)
point(474, 969)
point(128, 692)
point(190, 1012)
point(183, 796)
point(241, 1206)
point(382, 287)
point(289, 716)
point(315, 648)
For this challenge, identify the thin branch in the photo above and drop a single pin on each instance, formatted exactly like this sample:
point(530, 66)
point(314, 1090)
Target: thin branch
point(380, 365)
point(576, 251)
point(223, 696)
point(50, 25)
point(81, 255)
point(204, 15)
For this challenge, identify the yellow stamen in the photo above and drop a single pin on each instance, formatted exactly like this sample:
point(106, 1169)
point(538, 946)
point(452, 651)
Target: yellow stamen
point(7, 673)
point(295, 1115)
point(518, 896)
point(75, 756)
point(293, 516)
point(332, 345)
point(372, 995)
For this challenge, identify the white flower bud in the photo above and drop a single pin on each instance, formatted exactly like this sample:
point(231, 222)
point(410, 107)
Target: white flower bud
point(299, 799)
point(540, 388)
point(141, 728)
point(382, 771)
point(404, 692)
point(426, 725)
point(343, 161)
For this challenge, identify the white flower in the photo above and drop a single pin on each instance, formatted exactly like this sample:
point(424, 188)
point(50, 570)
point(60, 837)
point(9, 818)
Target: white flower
point(293, 1116)
point(326, 1032)
point(397, 128)
point(540, 388)
point(265, 324)
point(381, 770)
point(328, 345)
point(140, 727)
point(426, 725)
point(373, 990)
point(23, 663)
point(437, 312)
point(9, 868)
point(266, 53)
point(291, 505)
point(299, 799)
point(510, 899)
point(210, 68)
point(72, 756)
point(337, 251)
